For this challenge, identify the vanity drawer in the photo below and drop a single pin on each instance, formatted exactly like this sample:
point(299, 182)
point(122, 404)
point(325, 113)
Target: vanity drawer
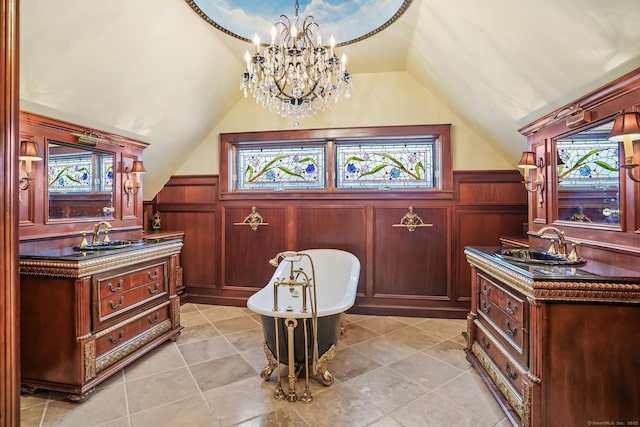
point(121, 302)
point(510, 369)
point(120, 334)
point(108, 285)
point(505, 300)
point(504, 324)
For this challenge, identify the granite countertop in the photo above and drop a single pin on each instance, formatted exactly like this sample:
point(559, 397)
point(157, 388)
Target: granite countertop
point(590, 272)
point(69, 254)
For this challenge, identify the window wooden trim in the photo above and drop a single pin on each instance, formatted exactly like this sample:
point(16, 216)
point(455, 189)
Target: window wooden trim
point(443, 185)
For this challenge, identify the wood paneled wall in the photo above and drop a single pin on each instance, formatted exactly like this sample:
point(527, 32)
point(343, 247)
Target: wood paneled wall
point(402, 273)
point(488, 205)
point(189, 203)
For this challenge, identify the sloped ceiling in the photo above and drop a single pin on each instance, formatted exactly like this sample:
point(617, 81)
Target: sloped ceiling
point(155, 71)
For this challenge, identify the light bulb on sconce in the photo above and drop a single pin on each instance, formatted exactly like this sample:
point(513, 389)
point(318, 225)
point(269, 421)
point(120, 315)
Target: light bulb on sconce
point(528, 164)
point(29, 152)
point(626, 129)
point(132, 186)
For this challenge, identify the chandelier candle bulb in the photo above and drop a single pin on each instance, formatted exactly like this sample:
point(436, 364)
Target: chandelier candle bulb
point(628, 148)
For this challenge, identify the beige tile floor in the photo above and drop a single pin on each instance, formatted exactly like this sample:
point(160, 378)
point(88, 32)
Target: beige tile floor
point(389, 372)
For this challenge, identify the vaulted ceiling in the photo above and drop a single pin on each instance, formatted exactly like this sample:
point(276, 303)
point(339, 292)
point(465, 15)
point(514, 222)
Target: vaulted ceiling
point(154, 70)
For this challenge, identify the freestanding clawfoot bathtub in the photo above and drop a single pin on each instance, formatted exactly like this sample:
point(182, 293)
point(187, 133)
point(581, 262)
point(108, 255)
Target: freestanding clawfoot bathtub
point(301, 308)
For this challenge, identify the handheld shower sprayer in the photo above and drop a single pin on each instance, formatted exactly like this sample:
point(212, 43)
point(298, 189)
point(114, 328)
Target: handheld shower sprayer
point(284, 255)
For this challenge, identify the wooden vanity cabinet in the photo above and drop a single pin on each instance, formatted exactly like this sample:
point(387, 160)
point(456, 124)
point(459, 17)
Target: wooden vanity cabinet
point(82, 321)
point(556, 351)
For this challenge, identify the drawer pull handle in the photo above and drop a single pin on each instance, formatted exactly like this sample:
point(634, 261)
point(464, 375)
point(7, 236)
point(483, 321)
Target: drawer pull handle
point(512, 375)
point(486, 308)
point(114, 305)
point(154, 319)
point(152, 290)
point(486, 289)
point(511, 309)
point(113, 340)
point(112, 289)
point(154, 275)
point(485, 344)
point(511, 331)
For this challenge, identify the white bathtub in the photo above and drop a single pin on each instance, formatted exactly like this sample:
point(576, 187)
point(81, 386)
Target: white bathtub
point(336, 279)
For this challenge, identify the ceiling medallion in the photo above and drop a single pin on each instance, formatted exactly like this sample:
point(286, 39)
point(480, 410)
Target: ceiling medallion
point(350, 21)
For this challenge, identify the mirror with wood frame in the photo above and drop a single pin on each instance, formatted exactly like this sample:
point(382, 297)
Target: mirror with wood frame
point(79, 182)
point(588, 178)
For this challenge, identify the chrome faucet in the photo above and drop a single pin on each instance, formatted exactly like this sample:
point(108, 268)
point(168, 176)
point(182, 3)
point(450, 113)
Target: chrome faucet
point(96, 231)
point(562, 243)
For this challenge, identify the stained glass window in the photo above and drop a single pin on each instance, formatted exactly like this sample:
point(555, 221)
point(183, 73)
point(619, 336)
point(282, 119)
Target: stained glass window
point(79, 174)
point(385, 165)
point(281, 168)
point(588, 163)
point(106, 168)
point(398, 158)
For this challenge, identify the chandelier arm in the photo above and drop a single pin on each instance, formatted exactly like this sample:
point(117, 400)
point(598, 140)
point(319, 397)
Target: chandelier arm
point(306, 97)
point(308, 33)
point(282, 95)
point(285, 30)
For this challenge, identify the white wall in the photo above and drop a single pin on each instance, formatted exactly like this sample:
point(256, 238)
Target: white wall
point(379, 99)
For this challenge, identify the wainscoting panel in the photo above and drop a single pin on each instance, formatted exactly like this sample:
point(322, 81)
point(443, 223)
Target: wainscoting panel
point(189, 204)
point(334, 227)
point(420, 272)
point(489, 204)
point(412, 265)
point(246, 252)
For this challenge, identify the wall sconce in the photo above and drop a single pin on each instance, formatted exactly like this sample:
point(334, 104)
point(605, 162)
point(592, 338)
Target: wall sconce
point(28, 153)
point(528, 164)
point(131, 187)
point(626, 129)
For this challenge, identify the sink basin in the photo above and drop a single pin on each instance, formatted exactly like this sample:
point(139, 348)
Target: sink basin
point(106, 246)
point(535, 256)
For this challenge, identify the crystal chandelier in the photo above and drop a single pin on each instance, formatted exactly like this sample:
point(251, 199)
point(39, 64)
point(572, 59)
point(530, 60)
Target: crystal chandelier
point(295, 75)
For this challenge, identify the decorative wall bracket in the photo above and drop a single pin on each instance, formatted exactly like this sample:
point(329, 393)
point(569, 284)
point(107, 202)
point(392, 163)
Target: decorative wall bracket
point(253, 220)
point(630, 167)
point(411, 221)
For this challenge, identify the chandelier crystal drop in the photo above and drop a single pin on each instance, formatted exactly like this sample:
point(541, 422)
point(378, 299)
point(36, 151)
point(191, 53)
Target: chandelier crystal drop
point(295, 75)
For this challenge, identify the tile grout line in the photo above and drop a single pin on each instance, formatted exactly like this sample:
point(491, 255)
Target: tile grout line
point(44, 412)
point(126, 396)
point(200, 392)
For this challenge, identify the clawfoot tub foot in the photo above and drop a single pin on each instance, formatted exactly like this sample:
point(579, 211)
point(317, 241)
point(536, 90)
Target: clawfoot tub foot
point(322, 374)
point(272, 363)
